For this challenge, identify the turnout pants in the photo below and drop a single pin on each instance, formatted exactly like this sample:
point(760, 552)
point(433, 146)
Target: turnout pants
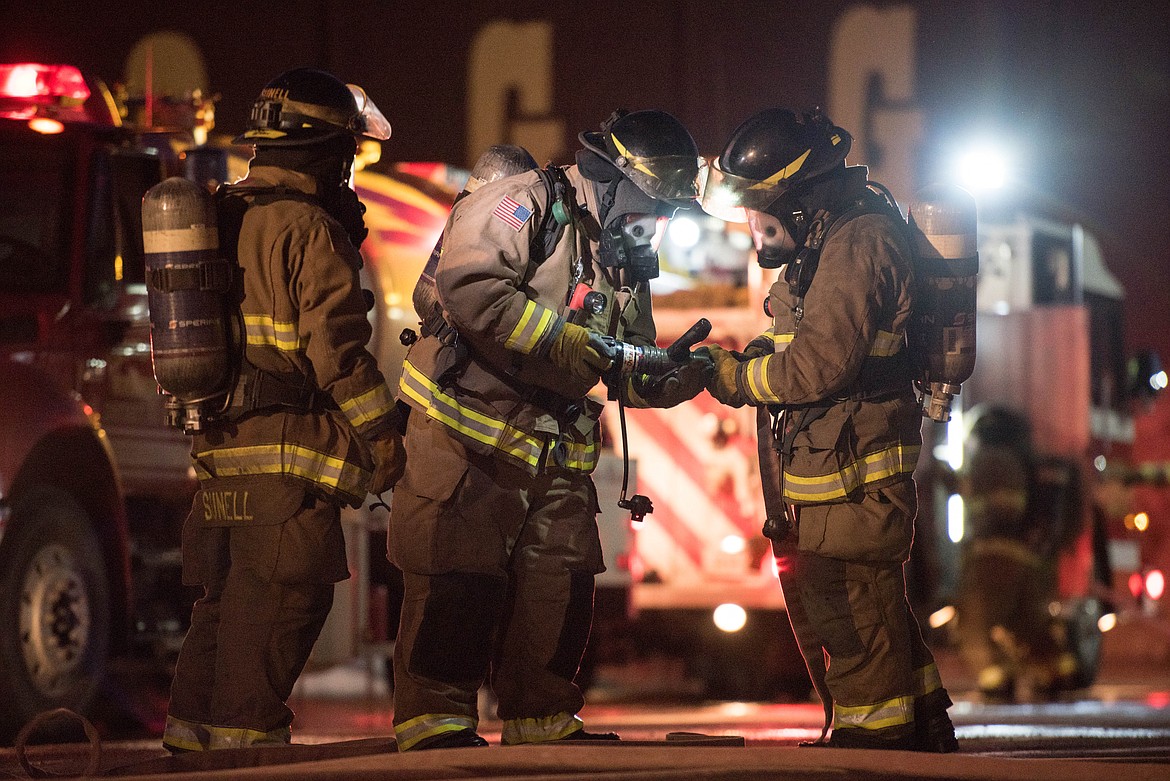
point(852, 619)
point(267, 563)
point(1005, 629)
point(498, 572)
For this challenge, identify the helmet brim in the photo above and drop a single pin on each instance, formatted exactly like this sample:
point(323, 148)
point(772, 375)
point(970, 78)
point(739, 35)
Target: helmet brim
point(728, 196)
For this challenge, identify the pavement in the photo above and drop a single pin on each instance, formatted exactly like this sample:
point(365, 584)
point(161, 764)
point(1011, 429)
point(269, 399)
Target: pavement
point(339, 709)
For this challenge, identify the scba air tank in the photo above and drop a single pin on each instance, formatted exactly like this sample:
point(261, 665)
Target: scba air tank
point(942, 332)
point(189, 295)
point(498, 162)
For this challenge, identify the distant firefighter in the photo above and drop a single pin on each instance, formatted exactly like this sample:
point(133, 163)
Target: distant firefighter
point(1017, 518)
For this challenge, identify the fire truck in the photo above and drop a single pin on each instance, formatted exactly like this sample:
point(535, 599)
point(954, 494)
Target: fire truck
point(93, 484)
point(1050, 333)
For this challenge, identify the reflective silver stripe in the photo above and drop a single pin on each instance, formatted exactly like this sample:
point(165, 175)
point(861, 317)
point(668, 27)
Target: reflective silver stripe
point(534, 325)
point(891, 713)
point(582, 456)
point(468, 422)
point(368, 406)
point(539, 730)
point(187, 735)
point(409, 733)
point(285, 458)
point(885, 344)
point(239, 737)
point(755, 374)
point(896, 460)
point(263, 330)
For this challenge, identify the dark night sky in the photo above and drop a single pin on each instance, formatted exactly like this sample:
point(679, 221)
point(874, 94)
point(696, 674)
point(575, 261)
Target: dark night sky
point(1082, 89)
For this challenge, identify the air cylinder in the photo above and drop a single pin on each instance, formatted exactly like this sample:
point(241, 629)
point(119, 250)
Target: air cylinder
point(188, 292)
point(943, 222)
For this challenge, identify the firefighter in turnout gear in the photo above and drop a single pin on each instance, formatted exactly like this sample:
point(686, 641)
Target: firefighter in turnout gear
point(1016, 524)
point(494, 522)
point(835, 376)
point(312, 425)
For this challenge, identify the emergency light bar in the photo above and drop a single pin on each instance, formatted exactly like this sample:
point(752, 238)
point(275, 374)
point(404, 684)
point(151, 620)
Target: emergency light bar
point(29, 90)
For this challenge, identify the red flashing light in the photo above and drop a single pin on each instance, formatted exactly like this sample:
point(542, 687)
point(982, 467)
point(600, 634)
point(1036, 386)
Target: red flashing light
point(32, 80)
point(1136, 584)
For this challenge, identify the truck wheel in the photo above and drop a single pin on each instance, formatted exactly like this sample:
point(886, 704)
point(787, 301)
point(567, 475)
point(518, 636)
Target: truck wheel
point(54, 609)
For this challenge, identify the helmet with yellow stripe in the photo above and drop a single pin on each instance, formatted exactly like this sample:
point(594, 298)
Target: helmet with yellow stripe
point(654, 151)
point(772, 153)
point(307, 106)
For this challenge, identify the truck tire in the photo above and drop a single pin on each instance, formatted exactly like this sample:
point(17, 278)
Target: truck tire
point(54, 609)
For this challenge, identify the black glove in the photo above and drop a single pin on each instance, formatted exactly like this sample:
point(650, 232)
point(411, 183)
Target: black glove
point(675, 387)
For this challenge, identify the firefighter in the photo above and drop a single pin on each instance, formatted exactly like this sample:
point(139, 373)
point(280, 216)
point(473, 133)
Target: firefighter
point(494, 522)
point(312, 425)
point(835, 374)
point(1007, 577)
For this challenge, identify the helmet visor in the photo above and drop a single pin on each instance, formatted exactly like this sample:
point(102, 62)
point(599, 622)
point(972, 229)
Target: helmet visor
point(674, 179)
point(368, 121)
point(726, 195)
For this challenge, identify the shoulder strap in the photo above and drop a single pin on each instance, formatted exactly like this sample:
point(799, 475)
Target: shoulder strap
point(557, 211)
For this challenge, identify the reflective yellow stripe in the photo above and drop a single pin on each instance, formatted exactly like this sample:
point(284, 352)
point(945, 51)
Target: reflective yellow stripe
point(634, 160)
point(784, 173)
point(539, 730)
point(886, 344)
point(284, 458)
point(896, 460)
point(755, 373)
point(409, 733)
point(193, 736)
point(781, 341)
point(928, 679)
point(368, 406)
point(468, 422)
point(240, 737)
point(263, 330)
point(582, 456)
point(533, 326)
point(891, 713)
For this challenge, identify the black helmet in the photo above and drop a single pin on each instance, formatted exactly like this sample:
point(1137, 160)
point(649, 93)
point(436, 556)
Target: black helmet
point(654, 151)
point(307, 106)
point(769, 154)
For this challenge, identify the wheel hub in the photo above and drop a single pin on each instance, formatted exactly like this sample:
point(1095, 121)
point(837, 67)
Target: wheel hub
point(54, 619)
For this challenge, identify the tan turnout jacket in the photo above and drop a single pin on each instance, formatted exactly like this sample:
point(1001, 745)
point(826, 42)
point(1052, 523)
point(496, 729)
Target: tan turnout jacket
point(305, 316)
point(848, 353)
point(508, 307)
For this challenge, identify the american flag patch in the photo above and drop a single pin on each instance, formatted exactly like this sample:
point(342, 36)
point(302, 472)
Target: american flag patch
point(512, 213)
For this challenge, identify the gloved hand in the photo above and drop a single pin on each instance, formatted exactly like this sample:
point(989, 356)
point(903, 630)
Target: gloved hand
point(677, 386)
point(760, 346)
point(573, 352)
point(722, 384)
point(389, 462)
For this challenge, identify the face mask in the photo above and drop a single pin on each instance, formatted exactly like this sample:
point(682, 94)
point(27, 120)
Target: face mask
point(774, 244)
point(631, 242)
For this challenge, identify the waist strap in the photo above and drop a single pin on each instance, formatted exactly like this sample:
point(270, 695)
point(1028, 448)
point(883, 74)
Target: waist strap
point(261, 389)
